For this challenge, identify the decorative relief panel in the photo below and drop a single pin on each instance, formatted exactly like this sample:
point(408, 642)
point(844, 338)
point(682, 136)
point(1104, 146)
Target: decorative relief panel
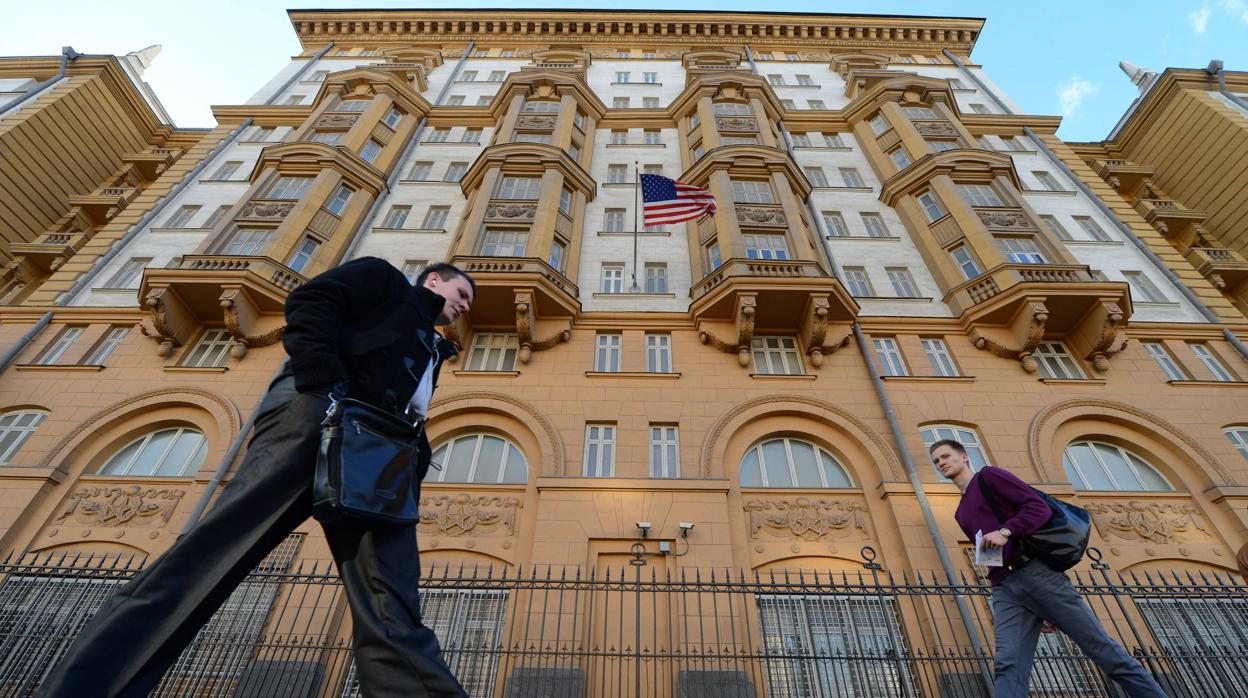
point(1004, 220)
point(463, 514)
point(268, 210)
point(735, 123)
point(1154, 522)
point(533, 121)
point(116, 507)
point(807, 519)
point(510, 212)
point(760, 215)
point(336, 120)
point(935, 128)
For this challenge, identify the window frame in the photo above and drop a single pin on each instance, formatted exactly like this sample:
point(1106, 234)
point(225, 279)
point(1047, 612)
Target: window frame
point(967, 436)
point(439, 474)
point(23, 431)
point(939, 356)
point(776, 348)
point(608, 277)
point(1164, 360)
point(759, 459)
point(888, 354)
point(144, 441)
point(1133, 460)
point(608, 352)
point(600, 444)
point(493, 352)
point(1050, 355)
point(664, 451)
point(214, 343)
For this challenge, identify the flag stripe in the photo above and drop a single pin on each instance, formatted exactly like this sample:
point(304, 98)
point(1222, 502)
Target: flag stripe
point(669, 201)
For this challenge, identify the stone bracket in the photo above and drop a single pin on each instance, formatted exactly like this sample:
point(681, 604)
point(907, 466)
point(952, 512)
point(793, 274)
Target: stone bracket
point(241, 314)
point(1018, 339)
point(172, 321)
point(1103, 330)
point(815, 327)
point(743, 320)
point(526, 323)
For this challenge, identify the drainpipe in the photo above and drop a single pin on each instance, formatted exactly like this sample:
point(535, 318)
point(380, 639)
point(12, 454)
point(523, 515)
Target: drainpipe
point(67, 54)
point(1215, 68)
point(12, 352)
point(912, 471)
point(299, 73)
point(397, 173)
point(86, 279)
point(1137, 242)
point(978, 83)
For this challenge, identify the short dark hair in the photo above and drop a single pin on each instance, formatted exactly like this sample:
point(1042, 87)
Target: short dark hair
point(446, 271)
point(955, 445)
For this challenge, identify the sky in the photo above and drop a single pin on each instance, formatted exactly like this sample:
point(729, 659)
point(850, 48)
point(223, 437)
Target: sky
point(1052, 57)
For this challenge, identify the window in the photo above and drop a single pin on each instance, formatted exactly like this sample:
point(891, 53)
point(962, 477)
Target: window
point(792, 57)
point(746, 191)
point(506, 53)
point(1142, 286)
point(455, 171)
point(617, 174)
point(851, 178)
point(249, 242)
point(835, 224)
point(650, 102)
point(980, 194)
point(1056, 362)
point(776, 356)
point(903, 282)
point(183, 217)
point(875, 225)
point(435, 217)
point(129, 274)
point(1238, 436)
point(217, 215)
point(498, 75)
point(1096, 465)
point(339, 200)
point(858, 281)
point(1168, 365)
point(533, 138)
point(1022, 250)
point(656, 277)
point(412, 269)
point(815, 104)
point(1051, 224)
point(619, 137)
point(967, 437)
point(1013, 144)
point(212, 350)
point(15, 429)
point(289, 188)
point(468, 76)
point(59, 346)
point(931, 206)
point(613, 220)
point(649, 54)
point(619, 103)
point(371, 150)
point(478, 458)
point(658, 352)
point(319, 76)
point(833, 140)
point(765, 246)
point(471, 135)
point(565, 201)
point(1046, 180)
point(504, 243)
point(519, 187)
point(558, 249)
point(739, 140)
point(164, 453)
point(485, 100)
point(396, 217)
point(805, 80)
point(227, 170)
point(920, 113)
point(654, 169)
point(816, 176)
point(392, 118)
point(650, 78)
point(623, 53)
point(775, 79)
point(420, 170)
point(607, 352)
point(938, 356)
point(621, 77)
point(574, 151)
point(788, 104)
point(440, 135)
point(889, 356)
point(900, 158)
point(652, 136)
point(1211, 362)
point(105, 348)
point(599, 450)
point(303, 254)
point(979, 108)
point(800, 140)
point(578, 120)
point(732, 109)
point(612, 278)
point(791, 463)
point(879, 124)
point(712, 256)
point(664, 452)
point(356, 105)
point(493, 352)
point(294, 99)
point(1093, 230)
point(962, 257)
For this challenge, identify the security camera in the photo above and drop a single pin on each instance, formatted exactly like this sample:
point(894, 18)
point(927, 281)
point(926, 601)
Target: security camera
point(644, 527)
point(685, 528)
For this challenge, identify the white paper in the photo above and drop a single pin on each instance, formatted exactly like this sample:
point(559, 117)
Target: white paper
point(987, 556)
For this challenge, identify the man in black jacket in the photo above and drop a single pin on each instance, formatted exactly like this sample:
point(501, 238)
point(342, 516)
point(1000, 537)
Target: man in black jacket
point(360, 327)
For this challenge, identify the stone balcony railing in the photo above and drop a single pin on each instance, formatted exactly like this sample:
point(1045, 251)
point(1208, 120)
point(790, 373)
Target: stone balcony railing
point(268, 269)
point(735, 268)
point(105, 202)
point(1170, 218)
point(1226, 269)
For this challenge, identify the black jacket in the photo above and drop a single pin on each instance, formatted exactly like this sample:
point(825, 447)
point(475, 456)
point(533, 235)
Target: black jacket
point(362, 323)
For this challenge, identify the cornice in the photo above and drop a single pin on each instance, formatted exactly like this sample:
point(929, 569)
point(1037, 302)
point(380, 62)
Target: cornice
point(526, 81)
point(1007, 124)
point(262, 114)
point(962, 160)
point(1171, 83)
point(77, 313)
point(709, 84)
point(715, 29)
point(739, 157)
point(346, 81)
point(538, 155)
point(316, 156)
point(895, 89)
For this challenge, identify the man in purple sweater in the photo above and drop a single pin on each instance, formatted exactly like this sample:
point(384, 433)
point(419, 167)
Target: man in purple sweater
point(1025, 592)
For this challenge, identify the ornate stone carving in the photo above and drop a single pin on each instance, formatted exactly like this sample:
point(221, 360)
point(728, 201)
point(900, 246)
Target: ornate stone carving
point(935, 128)
point(537, 121)
point(510, 212)
point(526, 320)
point(266, 209)
point(815, 56)
point(1034, 333)
point(463, 514)
point(1155, 522)
point(1009, 220)
point(117, 507)
point(1111, 339)
point(747, 304)
point(815, 330)
point(735, 123)
point(336, 120)
point(760, 215)
point(230, 310)
point(808, 519)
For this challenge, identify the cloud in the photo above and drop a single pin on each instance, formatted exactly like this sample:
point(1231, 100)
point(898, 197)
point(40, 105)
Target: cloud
point(1199, 19)
point(1072, 93)
point(1236, 8)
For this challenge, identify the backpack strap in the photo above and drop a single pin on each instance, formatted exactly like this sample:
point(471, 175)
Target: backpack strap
point(991, 498)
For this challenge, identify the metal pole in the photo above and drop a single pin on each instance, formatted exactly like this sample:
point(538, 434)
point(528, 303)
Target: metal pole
point(12, 352)
point(67, 54)
point(636, 188)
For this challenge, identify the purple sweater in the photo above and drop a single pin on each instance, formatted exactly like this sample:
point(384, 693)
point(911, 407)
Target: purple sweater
point(1025, 511)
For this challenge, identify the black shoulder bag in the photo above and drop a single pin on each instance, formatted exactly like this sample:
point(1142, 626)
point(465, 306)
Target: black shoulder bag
point(1061, 542)
point(366, 468)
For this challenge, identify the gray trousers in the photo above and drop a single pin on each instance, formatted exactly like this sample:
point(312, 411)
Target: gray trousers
point(138, 634)
point(1034, 593)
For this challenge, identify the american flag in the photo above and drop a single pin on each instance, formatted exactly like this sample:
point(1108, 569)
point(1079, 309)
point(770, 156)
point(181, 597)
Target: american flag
point(668, 201)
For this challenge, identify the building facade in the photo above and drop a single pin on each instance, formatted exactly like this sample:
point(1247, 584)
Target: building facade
point(900, 254)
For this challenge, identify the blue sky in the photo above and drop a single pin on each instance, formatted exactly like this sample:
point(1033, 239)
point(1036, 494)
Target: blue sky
point(1053, 57)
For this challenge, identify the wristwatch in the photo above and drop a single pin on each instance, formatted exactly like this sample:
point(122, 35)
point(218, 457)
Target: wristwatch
point(1005, 532)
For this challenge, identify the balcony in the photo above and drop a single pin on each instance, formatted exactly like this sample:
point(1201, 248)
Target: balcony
point(520, 294)
point(150, 163)
point(104, 203)
point(247, 294)
point(1123, 175)
point(791, 297)
point(1226, 269)
point(1174, 221)
point(50, 250)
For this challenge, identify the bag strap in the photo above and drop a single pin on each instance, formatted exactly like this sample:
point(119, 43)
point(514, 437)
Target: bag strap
point(991, 498)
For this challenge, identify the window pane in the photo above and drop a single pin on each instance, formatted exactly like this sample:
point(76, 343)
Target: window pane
point(1094, 475)
point(835, 474)
point(750, 474)
point(1119, 468)
point(459, 467)
point(805, 465)
point(151, 454)
point(189, 448)
point(777, 463)
point(490, 461)
point(1151, 479)
point(516, 470)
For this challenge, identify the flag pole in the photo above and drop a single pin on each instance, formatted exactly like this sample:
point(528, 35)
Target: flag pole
point(636, 194)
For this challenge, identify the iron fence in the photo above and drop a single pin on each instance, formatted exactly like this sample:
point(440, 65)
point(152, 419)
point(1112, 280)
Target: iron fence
point(644, 630)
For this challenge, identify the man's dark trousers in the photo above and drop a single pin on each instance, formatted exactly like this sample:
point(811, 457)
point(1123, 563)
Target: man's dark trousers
point(140, 632)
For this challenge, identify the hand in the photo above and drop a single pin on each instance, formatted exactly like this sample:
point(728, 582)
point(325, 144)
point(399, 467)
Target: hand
point(994, 540)
point(1048, 627)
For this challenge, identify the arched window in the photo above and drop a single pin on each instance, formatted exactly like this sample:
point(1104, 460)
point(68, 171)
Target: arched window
point(791, 463)
point(1095, 465)
point(967, 437)
point(1238, 435)
point(162, 453)
point(480, 458)
point(15, 428)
